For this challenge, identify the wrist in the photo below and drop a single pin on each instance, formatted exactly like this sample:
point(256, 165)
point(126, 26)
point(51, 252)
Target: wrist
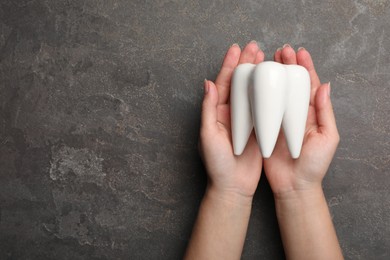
point(300, 202)
point(228, 197)
point(303, 194)
point(221, 226)
point(305, 212)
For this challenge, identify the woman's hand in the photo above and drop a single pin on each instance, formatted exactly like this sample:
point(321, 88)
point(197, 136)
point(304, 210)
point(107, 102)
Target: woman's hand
point(304, 221)
point(285, 174)
point(222, 222)
point(228, 174)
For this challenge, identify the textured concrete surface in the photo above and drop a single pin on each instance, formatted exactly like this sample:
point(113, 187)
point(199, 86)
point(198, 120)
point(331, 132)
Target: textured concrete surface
point(99, 117)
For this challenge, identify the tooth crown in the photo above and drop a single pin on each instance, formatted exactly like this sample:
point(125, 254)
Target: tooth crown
point(267, 96)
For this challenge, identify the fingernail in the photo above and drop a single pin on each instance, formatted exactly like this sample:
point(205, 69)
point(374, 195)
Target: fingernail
point(286, 45)
point(279, 49)
point(329, 89)
point(253, 41)
point(206, 86)
point(235, 44)
point(300, 48)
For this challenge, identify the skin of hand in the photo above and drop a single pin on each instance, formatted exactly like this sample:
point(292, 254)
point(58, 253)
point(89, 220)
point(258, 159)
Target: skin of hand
point(304, 220)
point(222, 222)
point(227, 172)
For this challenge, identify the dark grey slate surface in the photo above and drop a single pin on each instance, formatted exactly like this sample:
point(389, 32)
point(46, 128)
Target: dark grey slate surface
point(99, 117)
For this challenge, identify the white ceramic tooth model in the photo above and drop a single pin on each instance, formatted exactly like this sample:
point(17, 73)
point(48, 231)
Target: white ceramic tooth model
point(267, 96)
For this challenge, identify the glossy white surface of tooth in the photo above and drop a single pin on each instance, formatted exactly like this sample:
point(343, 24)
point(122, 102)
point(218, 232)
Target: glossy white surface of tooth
point(297, 105)
point(268, 99)
point(241, 118)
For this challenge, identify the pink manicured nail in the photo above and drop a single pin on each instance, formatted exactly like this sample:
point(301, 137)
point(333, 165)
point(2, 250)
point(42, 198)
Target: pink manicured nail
point(286, 45)
point(329, 89)
point(235, 44)
point(300, 48)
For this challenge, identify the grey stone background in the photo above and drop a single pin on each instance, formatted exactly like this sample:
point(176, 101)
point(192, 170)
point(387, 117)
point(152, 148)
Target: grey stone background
point(99, 117)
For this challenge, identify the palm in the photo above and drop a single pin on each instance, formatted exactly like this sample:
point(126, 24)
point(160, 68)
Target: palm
point(245, 169)
point(284, 170)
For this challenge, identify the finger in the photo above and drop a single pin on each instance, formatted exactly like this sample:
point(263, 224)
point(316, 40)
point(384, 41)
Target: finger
point(248, 54)
point(304, 59)
point(311, 118)
point(223, 112)
point(278, 55)
point(259, 57)
point(224, 77)
point(209, 106)
point(324, 110)
point(288, 55)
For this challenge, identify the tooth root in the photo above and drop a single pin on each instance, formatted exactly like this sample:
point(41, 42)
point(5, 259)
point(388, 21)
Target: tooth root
point(240, 108)
point(267, 96)
point(297, 105)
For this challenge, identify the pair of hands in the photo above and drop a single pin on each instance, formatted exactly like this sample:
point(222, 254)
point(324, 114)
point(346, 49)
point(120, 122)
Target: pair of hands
point(239, 175)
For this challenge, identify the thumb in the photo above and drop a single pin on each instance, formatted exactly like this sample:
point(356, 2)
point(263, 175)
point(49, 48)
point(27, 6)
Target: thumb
point(324, 110)
point(209, 105)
